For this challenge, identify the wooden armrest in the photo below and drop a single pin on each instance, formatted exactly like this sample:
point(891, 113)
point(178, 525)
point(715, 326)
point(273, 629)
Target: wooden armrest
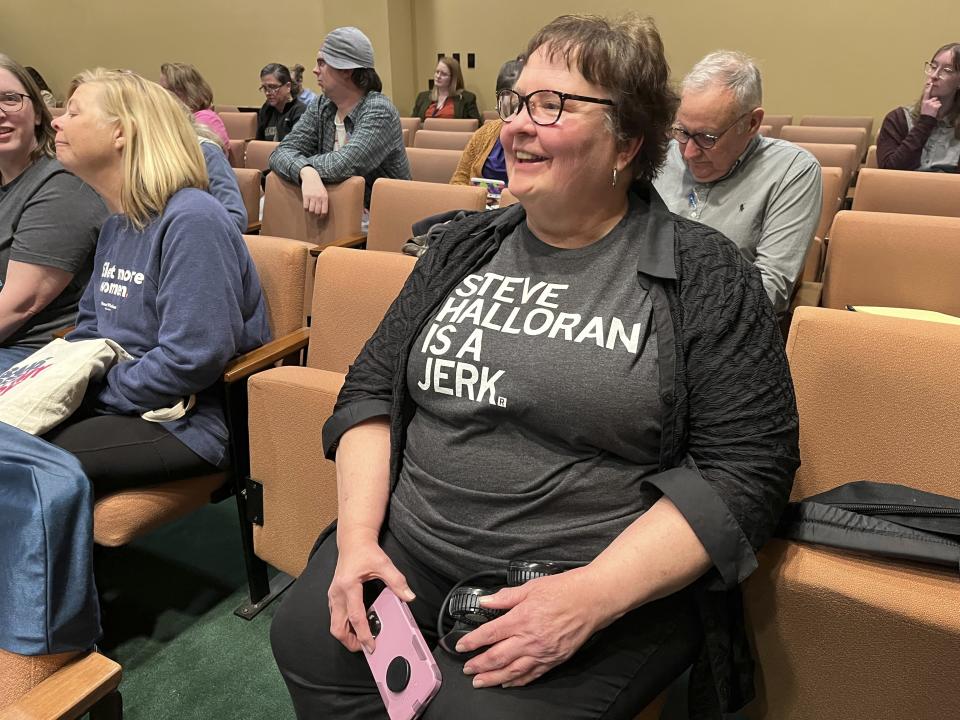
point(63, 333)
point(348, 241)
point(253, 228)
point(68, 693)
point(266, 355)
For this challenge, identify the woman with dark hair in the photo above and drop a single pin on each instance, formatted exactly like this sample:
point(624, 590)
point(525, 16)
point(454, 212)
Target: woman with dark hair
point(186, 82)
point(304, 95)
point(582, 378)
point(483, 156)
point(927, 136)
point(49, 222)
point(447, 98)
point(282, 109)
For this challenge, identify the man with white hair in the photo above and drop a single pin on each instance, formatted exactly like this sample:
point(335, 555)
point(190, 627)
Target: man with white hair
point(352, 130)
point(762, 193)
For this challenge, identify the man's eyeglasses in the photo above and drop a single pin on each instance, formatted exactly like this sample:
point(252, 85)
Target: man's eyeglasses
point(545, 106)
point(704, 141)
point(938, 71)
point(12, 102)
point(270, 89)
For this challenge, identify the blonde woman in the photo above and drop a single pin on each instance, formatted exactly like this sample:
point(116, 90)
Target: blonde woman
point(186, 82)
point(447, 99)
point(173, 284)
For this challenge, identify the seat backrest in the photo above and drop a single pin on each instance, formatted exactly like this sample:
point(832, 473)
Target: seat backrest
point(844, 156)
point(281, 264)
point(249, 182)
point(906, 191)
point(396, 204)
point(488, 115)
point(766, 131)
point(864, 121)
point(834, 192)
point(405, 134)
point(871, 161)
point(507, 198)
point(877, 398)
point(236, 153)
point(813, 263)
point(258, 153)
point(353, 290)
point(451, 124)
point(240, 125)
point(813, 134)
point(284, 216)
point(431, 165)
point(777, 121)
point(413, 125)
point(225, 108)
point(890, 260)
point(442, 139)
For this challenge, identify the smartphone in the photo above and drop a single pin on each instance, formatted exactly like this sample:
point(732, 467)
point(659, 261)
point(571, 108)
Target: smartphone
point(406, 674)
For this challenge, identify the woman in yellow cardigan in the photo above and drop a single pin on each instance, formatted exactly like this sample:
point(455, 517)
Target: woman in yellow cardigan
point(483, 156)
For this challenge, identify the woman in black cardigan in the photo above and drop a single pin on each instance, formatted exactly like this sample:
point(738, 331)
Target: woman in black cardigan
point(447, 99)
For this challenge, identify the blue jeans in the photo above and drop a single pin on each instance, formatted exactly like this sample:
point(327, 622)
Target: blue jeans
point(10, 356)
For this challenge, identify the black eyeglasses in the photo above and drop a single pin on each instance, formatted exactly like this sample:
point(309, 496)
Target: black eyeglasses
point(704, 141)
point(545, 106)
point(268, 89)
point(12, 102)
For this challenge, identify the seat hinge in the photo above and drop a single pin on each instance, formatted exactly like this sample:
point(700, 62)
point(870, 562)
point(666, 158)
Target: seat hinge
point(253, 501)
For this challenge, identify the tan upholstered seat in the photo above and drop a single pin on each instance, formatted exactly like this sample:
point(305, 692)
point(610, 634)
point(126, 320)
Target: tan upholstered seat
point(258, 153)
point(766, 130)
point(240, 125)
point(777, 122)
point(225, 108)
point(396, 204)
point(507, 198)
point(451, 124)
point(843, 156)
point(249, 182)
point(904, 191)
point(862, 121)
point(812, 134)
point(909, 261)
point(429, 165)
point(838, 635)
point(834, 191)
point(237, 152)
point(871, 161)
point(413, 125)
point(488, 115)
point(64, 686)
point(442, 139)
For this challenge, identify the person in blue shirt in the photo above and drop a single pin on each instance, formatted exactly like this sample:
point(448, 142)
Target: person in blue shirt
point(173, 284)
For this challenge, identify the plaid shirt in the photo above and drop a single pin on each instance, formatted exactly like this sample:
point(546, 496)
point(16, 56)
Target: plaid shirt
point(374, 150)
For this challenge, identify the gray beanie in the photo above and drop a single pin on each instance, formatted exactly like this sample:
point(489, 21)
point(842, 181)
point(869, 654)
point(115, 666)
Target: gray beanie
point(347, 48)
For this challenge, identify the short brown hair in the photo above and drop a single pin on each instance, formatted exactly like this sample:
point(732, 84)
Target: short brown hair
point(626, 57)
point(43, 132)
point(186, 82)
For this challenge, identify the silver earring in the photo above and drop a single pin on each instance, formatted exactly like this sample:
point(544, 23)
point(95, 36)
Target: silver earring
point(614, 183)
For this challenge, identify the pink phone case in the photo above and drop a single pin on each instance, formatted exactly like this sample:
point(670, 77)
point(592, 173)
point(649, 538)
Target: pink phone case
point(400, 643)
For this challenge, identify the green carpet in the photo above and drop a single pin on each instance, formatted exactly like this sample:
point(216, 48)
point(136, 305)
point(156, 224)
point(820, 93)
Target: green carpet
point(168, 603)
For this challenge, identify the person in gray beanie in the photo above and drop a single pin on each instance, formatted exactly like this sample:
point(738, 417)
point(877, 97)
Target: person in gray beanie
point(353, 130)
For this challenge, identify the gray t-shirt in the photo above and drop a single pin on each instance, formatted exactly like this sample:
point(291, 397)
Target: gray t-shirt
point(538, 411)
point(49, 217)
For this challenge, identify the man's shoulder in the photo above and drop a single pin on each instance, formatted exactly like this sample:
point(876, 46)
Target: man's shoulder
point(774, 153)
point(378, 102)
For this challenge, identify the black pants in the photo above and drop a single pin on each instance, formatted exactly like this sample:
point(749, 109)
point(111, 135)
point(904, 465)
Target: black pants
point(125, 451)
point(614, 676)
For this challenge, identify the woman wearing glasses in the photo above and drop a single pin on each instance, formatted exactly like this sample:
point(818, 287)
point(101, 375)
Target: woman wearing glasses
point(447, 98)
point(926, 136)
point(49, 222)
point(282, 109)
point(582, 378)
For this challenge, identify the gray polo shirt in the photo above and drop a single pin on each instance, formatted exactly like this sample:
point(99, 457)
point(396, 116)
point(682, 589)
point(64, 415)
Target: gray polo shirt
point(768, 204)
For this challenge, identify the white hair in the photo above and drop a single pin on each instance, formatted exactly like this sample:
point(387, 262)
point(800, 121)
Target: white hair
point(733, 70)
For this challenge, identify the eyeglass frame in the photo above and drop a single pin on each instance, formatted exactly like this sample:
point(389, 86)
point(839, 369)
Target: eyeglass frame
point(525, 100)
point(928, 65)
point(23, 97)
point(674, 129)
point(267, 90)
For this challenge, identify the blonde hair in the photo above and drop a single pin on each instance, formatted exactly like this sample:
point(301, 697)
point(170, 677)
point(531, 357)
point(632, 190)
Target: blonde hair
point(186, 82)
point(43, 132)
point(161, 154)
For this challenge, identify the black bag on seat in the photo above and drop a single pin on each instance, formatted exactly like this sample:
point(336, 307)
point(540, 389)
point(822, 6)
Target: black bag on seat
point(879, 519)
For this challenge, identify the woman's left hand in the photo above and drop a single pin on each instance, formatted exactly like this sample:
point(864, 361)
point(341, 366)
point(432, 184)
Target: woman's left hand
point(548, 619)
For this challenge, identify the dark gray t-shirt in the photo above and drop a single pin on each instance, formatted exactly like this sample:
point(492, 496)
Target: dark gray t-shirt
point(538, 413)
point(49, 217)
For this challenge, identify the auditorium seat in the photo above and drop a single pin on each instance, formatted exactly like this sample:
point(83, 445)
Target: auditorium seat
point(766, 131)
point(413, 125)
point(842, 135)
point(507, 198)
point(442, 139)
point(840, 635)
point(871, 161)
point(488, 115)
point(240, 125)
point(905, 191)
point(777, 122)
point(834, 192)
point(257, 156)
point(843, 156)
point(451, 124)
point(864, 121)
point(249, 182)
point(237, 152)
point(429, 165)
point(892, 260)
point(405, 132)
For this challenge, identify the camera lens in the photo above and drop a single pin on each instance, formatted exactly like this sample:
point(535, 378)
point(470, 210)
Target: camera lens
point(374, 621)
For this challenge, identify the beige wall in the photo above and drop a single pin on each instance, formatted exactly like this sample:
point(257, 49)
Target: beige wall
point(821, 56)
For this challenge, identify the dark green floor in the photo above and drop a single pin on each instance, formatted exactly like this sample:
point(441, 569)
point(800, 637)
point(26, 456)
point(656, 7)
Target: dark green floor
point(168, 604)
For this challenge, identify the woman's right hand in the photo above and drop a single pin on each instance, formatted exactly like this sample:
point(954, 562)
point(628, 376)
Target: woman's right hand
point(929, 105)
point(359, 561)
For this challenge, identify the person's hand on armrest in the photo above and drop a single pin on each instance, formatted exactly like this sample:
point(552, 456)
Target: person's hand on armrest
point(314, 193)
